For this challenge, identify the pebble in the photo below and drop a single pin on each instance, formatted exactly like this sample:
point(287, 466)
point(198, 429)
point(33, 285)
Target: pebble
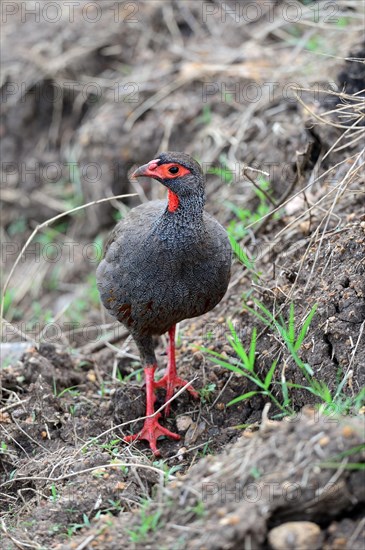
point(293, 535)
point(183, 423)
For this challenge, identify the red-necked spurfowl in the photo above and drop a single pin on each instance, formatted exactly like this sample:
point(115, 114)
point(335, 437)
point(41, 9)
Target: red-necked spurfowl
point(164, 262)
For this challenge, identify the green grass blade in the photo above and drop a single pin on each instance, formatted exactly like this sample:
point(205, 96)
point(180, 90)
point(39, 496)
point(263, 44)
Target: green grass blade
point(228, 366)
point(238, 347)
point(253, 347)
point(210, 351)
point(270, 374)
point(243, 397)
point(241, 254)
point(291, 324)
point(270, 319)
point(305, 327)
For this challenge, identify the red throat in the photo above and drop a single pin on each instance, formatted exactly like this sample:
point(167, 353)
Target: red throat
point(173, 201)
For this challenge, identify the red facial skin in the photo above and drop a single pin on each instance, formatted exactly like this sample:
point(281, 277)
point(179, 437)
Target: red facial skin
point(162, 172)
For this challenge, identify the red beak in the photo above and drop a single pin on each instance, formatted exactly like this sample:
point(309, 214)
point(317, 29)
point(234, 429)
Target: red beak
point(147, 170)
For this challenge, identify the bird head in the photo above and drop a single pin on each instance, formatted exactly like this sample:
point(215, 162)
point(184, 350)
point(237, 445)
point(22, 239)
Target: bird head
point(179, 172)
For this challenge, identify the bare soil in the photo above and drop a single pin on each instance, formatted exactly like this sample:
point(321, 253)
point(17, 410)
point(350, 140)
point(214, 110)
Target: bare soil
point(162, 75)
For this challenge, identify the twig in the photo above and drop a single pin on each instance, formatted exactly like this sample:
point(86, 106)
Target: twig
point(270, 199)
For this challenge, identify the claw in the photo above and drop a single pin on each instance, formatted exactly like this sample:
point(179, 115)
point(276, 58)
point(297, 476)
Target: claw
point(150, 432)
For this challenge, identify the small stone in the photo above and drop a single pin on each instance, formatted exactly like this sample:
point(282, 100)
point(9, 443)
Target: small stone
point(305, 227)
point(183, 422)
point(347, 431)
point(292, 535)
point(5, 418)
point(91, 376)
point(230, 520)
point(181, 452)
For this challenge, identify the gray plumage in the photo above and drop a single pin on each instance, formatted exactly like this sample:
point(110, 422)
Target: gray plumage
point(161, 267)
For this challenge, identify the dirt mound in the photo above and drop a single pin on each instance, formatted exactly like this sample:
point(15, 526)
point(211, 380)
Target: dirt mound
point(288, 474)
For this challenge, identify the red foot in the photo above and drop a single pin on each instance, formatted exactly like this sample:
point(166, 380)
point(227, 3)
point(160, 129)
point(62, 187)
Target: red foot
point(151, 431)
point(170, 382)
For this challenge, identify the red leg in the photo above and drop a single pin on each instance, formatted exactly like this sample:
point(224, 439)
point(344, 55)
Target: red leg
point(170, 380)
point(151, 430)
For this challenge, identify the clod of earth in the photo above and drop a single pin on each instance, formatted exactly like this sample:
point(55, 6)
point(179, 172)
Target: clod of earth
point(165, 262)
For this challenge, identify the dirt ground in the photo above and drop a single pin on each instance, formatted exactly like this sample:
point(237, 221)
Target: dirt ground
point(92, 90)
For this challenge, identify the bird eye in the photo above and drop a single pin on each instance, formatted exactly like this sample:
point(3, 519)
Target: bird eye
point(173, 170)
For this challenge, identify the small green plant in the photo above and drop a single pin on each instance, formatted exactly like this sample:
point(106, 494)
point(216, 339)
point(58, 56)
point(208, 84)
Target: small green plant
point(255, 472)
point(245, 366)
point(199, 509)
point(207, 392)
point(51, 234)
point(115, 506)
point(40, 315)
point(54, 493)
point(112, 446)
point(167, 470)
point(287, 331)
point(10, 309)
point(72, 390)
point(56, 528)
point(8, 300)
point(206, 116)
point(136, 373)
point(77, 526)
point(244, 216)
point(117, 216)
point(225, 174)
point(242, 257)
point(292, 338)
point(149, 521)
point(52, 281)
point(206, 450)
point(17, 226)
